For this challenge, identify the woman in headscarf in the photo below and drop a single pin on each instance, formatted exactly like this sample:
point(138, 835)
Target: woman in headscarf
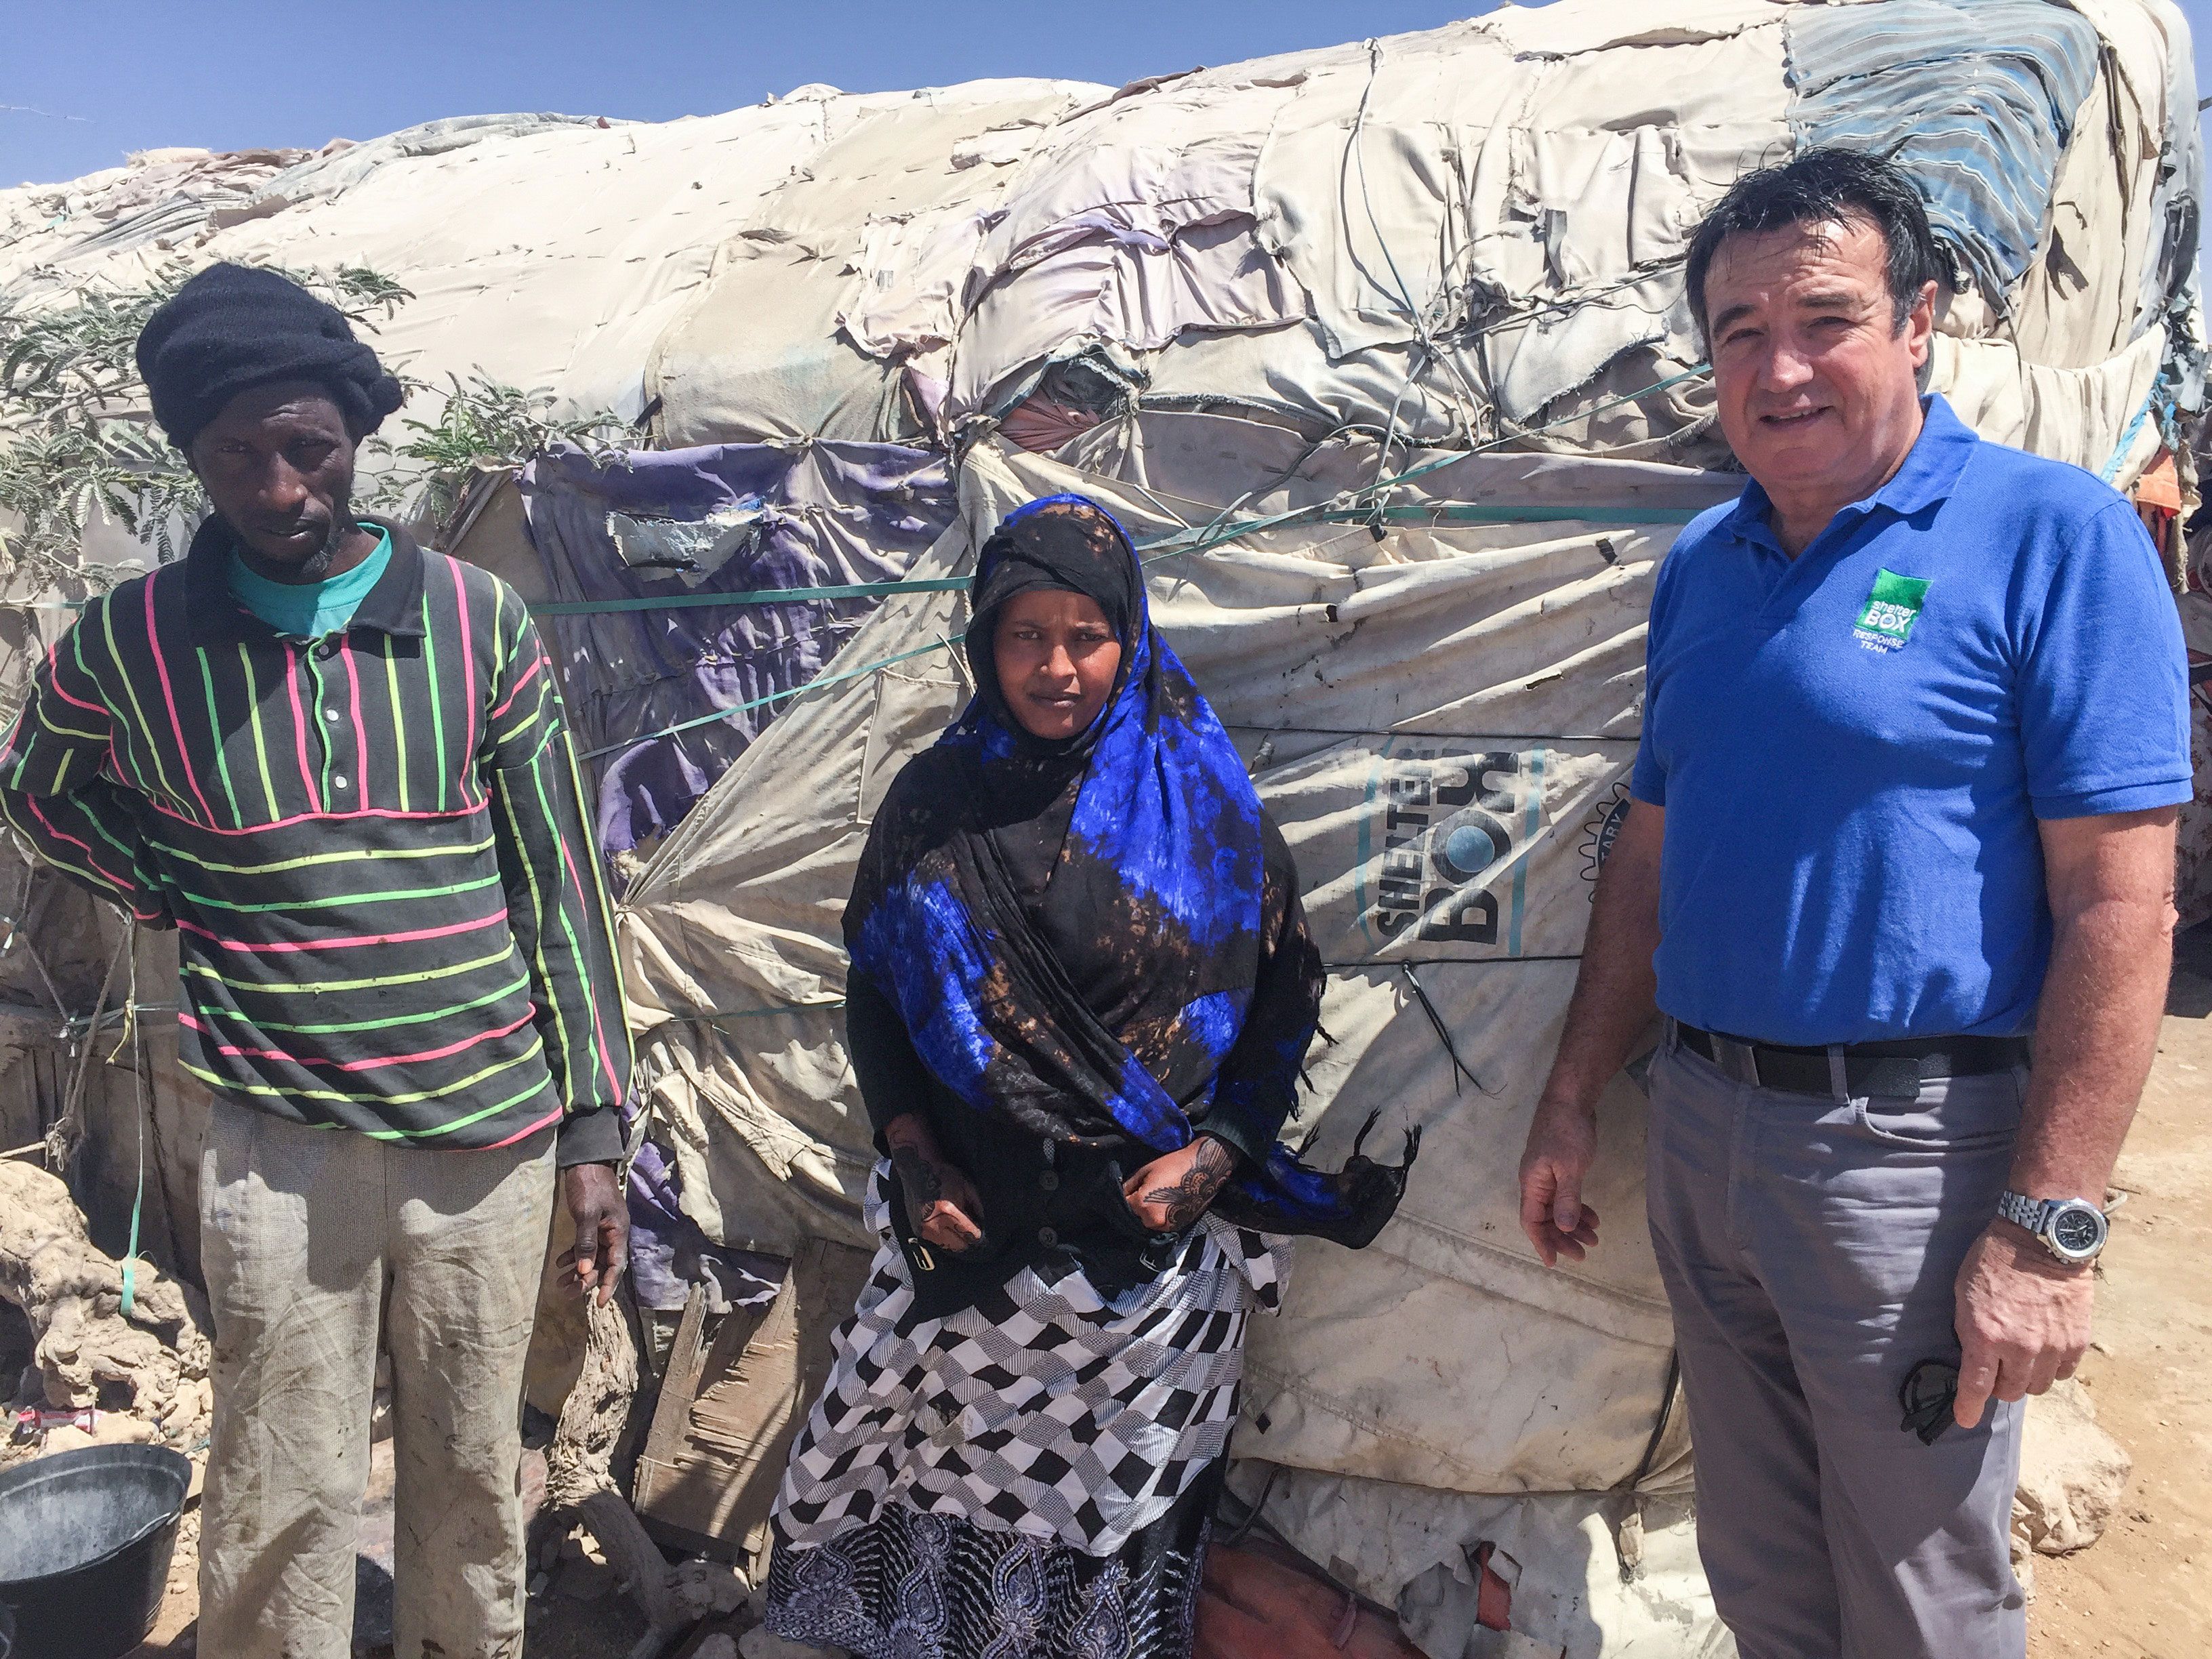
point(1082, 988)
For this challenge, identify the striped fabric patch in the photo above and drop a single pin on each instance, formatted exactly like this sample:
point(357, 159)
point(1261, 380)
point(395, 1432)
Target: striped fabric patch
point(1976, 99)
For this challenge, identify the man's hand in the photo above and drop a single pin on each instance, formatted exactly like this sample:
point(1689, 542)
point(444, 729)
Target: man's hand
point(942, 1205)
point(1612, 1005)
point(1173, 1190)
point(2023, 1319)
point(595, 1201)
point(2022, 1314)
point(1562, 1147)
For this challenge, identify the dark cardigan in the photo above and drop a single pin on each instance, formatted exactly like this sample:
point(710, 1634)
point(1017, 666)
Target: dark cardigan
point(1050, 1202)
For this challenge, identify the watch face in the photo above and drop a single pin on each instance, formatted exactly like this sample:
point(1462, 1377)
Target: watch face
point(2078, 1232)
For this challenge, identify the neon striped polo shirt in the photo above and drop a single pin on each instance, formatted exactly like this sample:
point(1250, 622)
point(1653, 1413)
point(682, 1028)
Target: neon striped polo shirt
point(389, 916)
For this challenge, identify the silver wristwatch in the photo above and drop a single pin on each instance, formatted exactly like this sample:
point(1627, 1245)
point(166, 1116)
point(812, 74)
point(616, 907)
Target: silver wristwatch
point(2072, 1228)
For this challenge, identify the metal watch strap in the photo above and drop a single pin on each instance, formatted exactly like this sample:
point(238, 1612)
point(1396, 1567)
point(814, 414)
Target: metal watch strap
point(2030, 1214)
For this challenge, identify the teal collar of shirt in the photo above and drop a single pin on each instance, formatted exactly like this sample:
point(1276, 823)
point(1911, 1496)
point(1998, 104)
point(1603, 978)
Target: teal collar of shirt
point(1930, 471)
point(215, 616)
point(312, 609)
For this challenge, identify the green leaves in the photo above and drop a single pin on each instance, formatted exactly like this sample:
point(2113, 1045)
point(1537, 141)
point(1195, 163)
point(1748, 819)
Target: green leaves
point(76, 440)
point(77, 443)
point(485, 424)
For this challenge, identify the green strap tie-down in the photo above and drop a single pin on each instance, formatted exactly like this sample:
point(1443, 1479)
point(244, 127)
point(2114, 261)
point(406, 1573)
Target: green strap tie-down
point(1168, 547)
point(130, 1252)
point(1197, 538)
point(688, 601)
point(814, 685)
point(1159, 548)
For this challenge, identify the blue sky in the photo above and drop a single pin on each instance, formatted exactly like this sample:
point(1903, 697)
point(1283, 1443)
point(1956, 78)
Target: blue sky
point(109, 76)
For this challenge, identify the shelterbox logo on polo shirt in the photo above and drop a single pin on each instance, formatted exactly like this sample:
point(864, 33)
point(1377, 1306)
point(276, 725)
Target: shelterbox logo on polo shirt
point(1891, 608)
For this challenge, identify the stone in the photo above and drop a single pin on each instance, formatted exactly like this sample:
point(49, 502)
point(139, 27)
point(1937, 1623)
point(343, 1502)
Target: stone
point(2073, 1474)
point(708, 1589)
point(88, 1350)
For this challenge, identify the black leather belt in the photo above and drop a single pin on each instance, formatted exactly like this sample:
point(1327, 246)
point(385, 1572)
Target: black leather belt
point(1892, 1070)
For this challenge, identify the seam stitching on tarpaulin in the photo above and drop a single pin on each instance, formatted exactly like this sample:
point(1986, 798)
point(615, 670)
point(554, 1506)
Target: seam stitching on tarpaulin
point(1628, 1300)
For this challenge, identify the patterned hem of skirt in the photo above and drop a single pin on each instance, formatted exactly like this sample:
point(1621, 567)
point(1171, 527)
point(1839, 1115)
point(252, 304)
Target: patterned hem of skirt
point(907, 1586)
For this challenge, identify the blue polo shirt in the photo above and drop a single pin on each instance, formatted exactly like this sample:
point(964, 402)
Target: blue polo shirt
point(1853, 746)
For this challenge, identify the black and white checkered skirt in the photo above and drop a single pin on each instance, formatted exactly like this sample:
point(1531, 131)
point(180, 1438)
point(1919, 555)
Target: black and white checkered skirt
point(1028, 1475)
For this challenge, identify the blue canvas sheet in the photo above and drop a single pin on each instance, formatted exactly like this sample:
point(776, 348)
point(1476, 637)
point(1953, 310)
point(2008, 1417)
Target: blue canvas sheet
point(1976, 98)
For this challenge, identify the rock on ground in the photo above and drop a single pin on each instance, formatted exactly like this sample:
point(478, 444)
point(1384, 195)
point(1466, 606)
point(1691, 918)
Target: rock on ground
point(2072, 1473)
point(152, 1363)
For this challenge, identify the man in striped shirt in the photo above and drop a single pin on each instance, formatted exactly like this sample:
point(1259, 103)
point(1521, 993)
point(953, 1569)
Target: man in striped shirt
point(335, 763)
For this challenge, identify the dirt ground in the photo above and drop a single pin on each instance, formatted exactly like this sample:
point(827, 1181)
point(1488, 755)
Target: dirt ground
point(2143, 1592)
point(576, 1612)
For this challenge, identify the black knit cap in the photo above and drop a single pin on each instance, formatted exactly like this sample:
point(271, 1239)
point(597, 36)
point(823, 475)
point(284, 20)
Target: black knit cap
point(233, 327)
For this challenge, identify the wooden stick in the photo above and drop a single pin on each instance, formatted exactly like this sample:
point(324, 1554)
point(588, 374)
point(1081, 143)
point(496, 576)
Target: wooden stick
point(579, 1473)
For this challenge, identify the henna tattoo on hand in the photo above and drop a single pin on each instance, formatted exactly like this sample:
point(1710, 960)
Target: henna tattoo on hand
point(938, 1194)
point(1211, 1163)
point(924, 1186)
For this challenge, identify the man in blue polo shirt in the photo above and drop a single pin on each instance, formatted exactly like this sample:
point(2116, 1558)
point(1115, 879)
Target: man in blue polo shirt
point(1915, 729)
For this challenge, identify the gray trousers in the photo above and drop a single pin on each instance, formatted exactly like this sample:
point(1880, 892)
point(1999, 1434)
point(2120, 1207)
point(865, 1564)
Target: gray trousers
point(1808, 1244)
point(318, 1245)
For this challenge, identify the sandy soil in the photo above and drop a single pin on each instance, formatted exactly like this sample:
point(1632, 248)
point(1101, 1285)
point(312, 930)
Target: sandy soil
point(2144, 1591)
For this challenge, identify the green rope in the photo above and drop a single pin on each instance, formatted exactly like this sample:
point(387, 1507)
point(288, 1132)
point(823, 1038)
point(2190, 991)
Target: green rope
point(814, 685)
point(1199, 539)
point(1202, 538)
point(757, 596)
point(1452, 512)
point(686, 601)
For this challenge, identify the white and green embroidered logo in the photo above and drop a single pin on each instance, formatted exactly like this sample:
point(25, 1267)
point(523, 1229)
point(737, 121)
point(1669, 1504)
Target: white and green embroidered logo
point(1891, 610)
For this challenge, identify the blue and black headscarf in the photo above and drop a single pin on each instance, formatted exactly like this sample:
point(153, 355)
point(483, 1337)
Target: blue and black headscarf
point(1088, 940)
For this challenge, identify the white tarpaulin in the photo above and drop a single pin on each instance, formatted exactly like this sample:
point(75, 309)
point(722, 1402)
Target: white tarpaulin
point(550, 252)
point(1442, 721)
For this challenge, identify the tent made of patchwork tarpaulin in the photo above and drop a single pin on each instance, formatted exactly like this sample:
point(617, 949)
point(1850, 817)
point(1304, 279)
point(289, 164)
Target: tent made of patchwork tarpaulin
point(1265, 313)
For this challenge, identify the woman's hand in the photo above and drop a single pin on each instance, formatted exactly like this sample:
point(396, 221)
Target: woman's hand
point(1170, 1193)
point(941, 1202)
